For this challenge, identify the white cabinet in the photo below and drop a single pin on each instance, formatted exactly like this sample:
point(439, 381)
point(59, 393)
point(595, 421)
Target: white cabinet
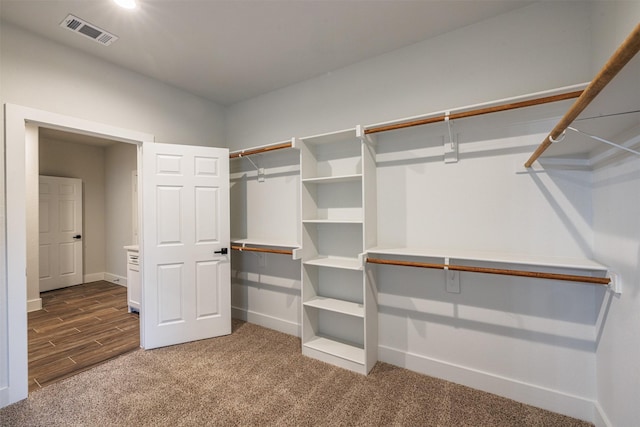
point(338, 198)
point(134, 288)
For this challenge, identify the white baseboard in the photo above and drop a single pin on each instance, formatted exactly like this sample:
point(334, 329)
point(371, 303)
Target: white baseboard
point(266, 321)
point(115, 279)
point(93, 277)
point(34, 304)
point(531, 394)
point(600, 417)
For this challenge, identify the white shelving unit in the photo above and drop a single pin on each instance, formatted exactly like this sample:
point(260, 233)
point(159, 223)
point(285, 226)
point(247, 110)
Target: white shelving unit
point(338, 198)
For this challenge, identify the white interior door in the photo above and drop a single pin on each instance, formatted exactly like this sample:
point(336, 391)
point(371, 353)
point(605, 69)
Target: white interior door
point(186, 289)
point(60, 251)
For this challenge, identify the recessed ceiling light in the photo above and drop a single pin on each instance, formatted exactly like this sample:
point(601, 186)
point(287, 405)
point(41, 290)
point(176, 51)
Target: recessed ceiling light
point(127, 4)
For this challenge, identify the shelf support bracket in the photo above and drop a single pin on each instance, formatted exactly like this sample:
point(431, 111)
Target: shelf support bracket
point(597, 138)
point(451, 147)
point(258, 169)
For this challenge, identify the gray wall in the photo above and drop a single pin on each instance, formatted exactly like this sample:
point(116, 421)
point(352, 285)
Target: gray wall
point(120, 162)
point(38, 73)
point(535, 48)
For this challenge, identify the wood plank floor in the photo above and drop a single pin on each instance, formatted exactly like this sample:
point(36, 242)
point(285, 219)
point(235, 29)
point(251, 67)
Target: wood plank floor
point(77, 328)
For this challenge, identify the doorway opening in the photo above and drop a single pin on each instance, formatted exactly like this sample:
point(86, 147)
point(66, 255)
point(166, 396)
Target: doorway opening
point(85, 321)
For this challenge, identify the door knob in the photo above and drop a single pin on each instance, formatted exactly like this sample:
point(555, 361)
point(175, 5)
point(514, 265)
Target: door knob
point(222, 251)
point(77, 236)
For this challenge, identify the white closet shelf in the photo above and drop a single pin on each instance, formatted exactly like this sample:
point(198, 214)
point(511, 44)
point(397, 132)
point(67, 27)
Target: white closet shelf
point(495, 257)
point(332, 221)
point(332, 179)
point(331, 137)
point(337, 306)
point(332, 347)
point(265, 242)
point(336, 262)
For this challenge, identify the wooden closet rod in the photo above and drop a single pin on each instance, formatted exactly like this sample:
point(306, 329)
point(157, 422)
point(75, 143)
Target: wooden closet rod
point(505, 272)
point(477, 112)
point(618, 60)
point(260, 150)
point(267, 250)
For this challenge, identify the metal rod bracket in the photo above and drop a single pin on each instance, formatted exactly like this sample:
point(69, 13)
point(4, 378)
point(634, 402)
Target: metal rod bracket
point(258, 169)
point(450, 147)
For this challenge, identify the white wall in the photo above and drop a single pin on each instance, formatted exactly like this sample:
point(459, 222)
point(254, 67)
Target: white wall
point(120, 162)
point(532, 340)
point(617, 244)
point(528, 50)
point(612, 22)
point(616, 224)
point(86, 162)
point(38, 73)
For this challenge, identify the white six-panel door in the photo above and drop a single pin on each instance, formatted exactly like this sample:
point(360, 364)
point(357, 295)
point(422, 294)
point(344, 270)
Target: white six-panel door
point(60, 254)
point(186, 278)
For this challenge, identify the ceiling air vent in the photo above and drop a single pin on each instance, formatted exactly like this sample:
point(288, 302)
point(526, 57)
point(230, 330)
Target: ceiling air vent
point(77, 25)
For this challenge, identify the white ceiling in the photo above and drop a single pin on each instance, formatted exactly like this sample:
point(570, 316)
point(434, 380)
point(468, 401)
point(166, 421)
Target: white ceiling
point(232, 50)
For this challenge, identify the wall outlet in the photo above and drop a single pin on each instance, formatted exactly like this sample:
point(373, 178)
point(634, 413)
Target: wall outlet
point(452, 280)
point(262, 260)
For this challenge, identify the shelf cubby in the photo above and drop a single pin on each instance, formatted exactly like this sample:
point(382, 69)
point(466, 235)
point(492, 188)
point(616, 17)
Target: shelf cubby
point(321, 282)
point(332, 200)
point(332, 240)
point(331, 155)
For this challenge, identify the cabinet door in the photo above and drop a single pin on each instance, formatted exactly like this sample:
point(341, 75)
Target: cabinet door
point(134, 291)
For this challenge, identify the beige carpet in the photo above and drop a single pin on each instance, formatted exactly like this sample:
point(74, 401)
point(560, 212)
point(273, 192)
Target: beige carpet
point(257, 376)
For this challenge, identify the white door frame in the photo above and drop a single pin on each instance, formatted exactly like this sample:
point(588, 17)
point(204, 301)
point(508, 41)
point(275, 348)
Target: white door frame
point(13, 284)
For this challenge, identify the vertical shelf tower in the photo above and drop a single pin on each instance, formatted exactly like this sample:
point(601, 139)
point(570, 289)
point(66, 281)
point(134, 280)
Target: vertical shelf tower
point(338, 210)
